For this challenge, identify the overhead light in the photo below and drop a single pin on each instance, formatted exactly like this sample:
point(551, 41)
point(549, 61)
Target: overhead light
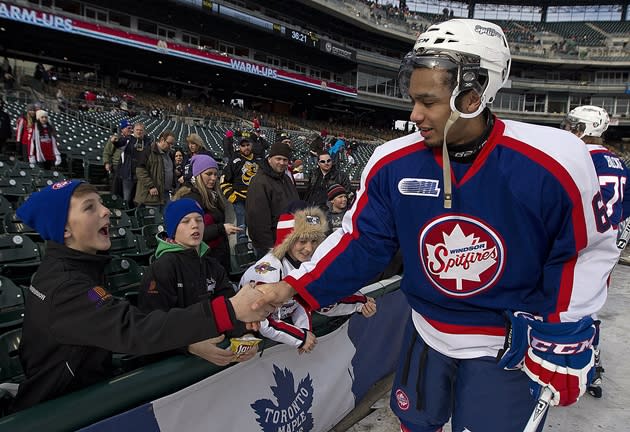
point(3, 29)
point(159, 61)
point(218, 74)
point(265, 84)
point(65, 58)
point(308, 94)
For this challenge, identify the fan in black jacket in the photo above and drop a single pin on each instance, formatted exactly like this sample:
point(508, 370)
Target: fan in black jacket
point(184, 273)
point(72, 323)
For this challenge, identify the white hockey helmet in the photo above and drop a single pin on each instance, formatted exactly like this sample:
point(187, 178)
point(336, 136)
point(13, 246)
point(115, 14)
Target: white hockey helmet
point(586, 120)
point(476, 51)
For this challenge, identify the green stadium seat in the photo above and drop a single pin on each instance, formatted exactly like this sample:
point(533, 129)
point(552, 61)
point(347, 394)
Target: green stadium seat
point(11, 304)
point(12, 224)
point(120, 219)
point(10, 366)
point(13, 190)
point(113, 201)
point(147, 216)
point(122, 275)
point(149, 232)
point(19, 257)
point(129, 245)
point(5, 206)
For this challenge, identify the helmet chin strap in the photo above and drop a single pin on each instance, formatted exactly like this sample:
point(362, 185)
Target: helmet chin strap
point(446, 162)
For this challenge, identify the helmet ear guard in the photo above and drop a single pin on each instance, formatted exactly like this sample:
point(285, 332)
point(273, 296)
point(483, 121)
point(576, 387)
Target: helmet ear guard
point(581, 127)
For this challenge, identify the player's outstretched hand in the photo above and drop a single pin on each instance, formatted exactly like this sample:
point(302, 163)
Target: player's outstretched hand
point(309, 343)
point(243, 303)
point(369, 308)
point(273, 295)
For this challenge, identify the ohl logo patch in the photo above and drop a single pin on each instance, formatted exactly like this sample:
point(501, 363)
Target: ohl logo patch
point(291, 412)
point(461, 255)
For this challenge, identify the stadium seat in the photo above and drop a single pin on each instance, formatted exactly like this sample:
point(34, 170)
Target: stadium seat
point(120, 219)
point(244, 254)
point(12, 224)
point(149, 232)
point(11, 304)
point(10, 366)
point(19, 257)
point(14, 190)
point(113, 201)
point(129, 245)
point(22, 176)
point(147, 216)
point(122, 275)
point(5, 207)
point(46, 178)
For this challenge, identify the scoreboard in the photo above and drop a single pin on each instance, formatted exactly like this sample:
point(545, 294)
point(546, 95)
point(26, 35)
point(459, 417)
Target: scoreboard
point(306, 38)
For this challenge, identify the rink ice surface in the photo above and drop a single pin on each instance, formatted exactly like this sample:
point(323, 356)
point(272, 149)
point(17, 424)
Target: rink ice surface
point(610, 413)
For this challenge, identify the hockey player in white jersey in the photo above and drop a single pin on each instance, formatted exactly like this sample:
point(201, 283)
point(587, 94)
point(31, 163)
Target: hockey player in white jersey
point(589, 123)
point(507, 245)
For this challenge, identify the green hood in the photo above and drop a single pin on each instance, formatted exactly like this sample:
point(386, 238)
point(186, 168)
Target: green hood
point(165, 246)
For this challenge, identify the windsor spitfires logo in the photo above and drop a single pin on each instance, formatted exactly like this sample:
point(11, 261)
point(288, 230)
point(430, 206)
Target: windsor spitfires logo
point(461, 256)
point(291, 412)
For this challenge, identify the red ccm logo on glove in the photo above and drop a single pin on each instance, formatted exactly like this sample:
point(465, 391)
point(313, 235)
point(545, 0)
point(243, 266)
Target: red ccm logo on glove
point(461, 255)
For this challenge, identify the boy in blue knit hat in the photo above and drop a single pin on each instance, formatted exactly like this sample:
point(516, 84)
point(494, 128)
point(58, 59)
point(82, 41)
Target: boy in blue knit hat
point(184, 273)
point(72, 323)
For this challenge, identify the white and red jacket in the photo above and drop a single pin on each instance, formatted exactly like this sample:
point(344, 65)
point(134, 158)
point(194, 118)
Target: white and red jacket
point(270, 269)
point(44, 146)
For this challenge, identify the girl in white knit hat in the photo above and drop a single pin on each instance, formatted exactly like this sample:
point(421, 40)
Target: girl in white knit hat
point(298, 235)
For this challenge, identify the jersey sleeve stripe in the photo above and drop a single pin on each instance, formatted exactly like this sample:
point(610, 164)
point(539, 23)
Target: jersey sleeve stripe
point(578, 217)
point(328, 251)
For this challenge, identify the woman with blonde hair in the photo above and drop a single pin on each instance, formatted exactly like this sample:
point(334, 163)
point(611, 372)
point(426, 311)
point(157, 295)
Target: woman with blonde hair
point(204, 188)
point(195, 147)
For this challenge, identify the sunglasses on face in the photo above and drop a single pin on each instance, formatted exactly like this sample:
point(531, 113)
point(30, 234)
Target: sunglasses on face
point(322, 161)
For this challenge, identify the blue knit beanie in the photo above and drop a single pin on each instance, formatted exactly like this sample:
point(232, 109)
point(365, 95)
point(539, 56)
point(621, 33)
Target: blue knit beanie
point(175, 212)
point(46, 211)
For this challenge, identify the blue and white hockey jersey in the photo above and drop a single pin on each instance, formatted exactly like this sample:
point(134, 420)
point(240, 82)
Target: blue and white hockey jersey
point(527, 231)
point(613, 182)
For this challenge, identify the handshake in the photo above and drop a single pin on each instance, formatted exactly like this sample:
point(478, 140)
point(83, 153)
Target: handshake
point(253, 303)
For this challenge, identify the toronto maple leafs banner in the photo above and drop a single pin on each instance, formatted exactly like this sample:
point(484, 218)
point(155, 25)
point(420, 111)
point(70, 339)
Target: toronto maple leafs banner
point(281, 391)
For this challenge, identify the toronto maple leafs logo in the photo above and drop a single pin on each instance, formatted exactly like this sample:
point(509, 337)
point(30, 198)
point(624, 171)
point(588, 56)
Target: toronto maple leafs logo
point(291, 412)
point(461, 255)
